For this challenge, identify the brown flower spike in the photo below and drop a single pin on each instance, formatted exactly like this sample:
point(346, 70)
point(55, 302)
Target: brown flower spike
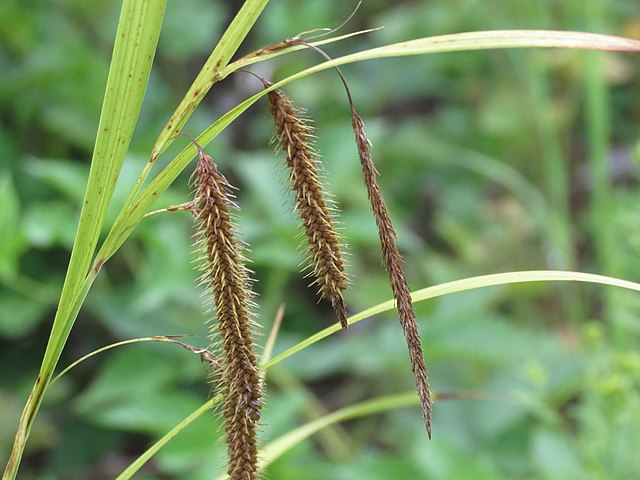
point(312, 204)
point(226, 277)
point(393, 263)
point(390, 254)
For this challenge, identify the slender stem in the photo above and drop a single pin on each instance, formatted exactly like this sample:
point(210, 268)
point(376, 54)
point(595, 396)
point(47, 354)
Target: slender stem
point(275, 329)
point(456, 286)
point(146, 456)
point(598, 129)
point(163, 339)
point(334, 440)
point(555, 176)
point(172, 208)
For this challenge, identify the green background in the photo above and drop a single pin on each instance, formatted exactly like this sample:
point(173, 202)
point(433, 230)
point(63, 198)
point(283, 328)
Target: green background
point(489, 161)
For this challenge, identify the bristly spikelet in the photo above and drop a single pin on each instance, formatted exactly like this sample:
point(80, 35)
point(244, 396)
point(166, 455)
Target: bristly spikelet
point(226, 277)
point(314, 208)
point(393, 263)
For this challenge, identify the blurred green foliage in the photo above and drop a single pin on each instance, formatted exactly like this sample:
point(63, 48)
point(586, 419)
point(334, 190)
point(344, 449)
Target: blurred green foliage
point(484, 160)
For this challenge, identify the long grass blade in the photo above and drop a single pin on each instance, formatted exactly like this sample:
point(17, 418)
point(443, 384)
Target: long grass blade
point(161, 339)
point(131, 470)
point(281, 445)
point(133, 214)
point(457, 286)
point(134, 49)
point(209, 74)
point(278, 447)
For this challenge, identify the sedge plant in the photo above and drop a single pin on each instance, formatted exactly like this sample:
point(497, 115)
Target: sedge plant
point(133, 52)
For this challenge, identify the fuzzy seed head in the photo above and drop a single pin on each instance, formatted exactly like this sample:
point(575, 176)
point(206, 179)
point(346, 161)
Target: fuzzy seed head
point(226, 277)
point(312, 204)
point(393, 264)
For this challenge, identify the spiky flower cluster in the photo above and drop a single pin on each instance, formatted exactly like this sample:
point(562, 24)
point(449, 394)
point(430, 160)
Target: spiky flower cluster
point(393, 263)
point(313, 206)
point(226, 278)
point(225, 274)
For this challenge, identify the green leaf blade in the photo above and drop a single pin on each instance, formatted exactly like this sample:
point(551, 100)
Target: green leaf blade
point(133, 214)
point(137, 36)
point(279, 446)
point(463, 285)
point(209, 74)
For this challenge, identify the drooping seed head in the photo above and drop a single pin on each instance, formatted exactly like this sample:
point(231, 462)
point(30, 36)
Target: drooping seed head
point(312, 204)
point(393, 264)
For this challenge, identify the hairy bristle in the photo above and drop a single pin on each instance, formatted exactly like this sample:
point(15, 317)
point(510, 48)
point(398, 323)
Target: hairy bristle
point(312, 204)
point(393, 263)
point(226, 277)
